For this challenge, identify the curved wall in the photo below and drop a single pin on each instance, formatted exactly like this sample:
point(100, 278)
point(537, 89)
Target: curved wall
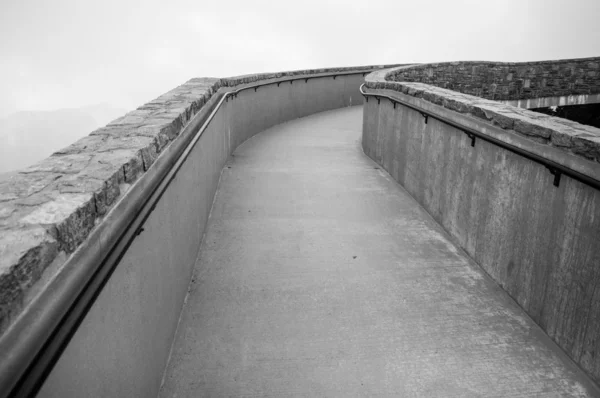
point(55, 210)
point(122, 346)
point(48, 210)
point(537, 240)
point(572, 79)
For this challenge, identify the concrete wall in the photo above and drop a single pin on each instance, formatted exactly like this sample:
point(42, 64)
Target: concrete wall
point(48, 210)
point(563, 100)
point(538, 241)
point(509, 81)
point(122, 346)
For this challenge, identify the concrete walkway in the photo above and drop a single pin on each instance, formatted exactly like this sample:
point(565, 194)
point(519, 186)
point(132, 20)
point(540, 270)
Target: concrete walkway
point(319, 276)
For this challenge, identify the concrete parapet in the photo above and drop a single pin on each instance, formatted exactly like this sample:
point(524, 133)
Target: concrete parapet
point(47, 210)
point(573, 137)
point(537, 240)
point(135, 316)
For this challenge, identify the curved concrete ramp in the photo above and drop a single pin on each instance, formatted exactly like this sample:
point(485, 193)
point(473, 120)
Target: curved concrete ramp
point(320, 276)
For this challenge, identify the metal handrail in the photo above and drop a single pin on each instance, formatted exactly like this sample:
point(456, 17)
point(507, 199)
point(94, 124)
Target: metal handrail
point(33, 344)
point(296, 78)
point(556, 169)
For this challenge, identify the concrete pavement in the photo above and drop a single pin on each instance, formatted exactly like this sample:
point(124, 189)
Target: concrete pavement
point(320, 276)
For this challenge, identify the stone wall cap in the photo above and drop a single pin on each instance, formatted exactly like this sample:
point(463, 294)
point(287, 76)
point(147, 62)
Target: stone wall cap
point(50, 207)
point(575, 138)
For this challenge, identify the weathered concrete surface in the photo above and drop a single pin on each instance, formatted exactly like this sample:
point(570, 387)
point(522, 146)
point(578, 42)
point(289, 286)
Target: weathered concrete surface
point(569, 136)
point(122, 346)
point(133, 321)
point(320, 276)
point(538, 241)
point(564, 100)
point(49, 209)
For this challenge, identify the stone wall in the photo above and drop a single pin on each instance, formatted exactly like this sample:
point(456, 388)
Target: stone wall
point(135, 317)
point(508, 81)
point(567, 135)
point(47, 210)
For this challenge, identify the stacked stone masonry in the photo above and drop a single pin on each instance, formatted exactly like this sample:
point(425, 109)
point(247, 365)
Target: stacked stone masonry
point(47, 210)
point(579, 139)
point(508, 81)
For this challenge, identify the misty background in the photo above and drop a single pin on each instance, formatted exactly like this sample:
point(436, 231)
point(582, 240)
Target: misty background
point(68, 67)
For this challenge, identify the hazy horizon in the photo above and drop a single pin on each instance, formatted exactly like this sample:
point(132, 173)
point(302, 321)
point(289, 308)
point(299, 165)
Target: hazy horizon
point(72, 53)
point(30, 136)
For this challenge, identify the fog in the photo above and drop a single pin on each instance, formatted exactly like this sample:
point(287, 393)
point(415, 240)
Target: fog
point(71, 54)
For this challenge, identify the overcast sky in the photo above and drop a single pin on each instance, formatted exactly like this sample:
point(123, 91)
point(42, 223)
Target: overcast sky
point(69, 53)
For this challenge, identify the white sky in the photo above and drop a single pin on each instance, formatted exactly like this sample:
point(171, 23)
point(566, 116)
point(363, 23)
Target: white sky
point(70, 53)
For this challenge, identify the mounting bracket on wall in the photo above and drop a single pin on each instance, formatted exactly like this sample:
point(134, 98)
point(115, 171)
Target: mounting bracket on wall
point(334, 76)
point(378, 100)
point(306, 80)
point(472, 137)
point(556, 173)
point(556, 170)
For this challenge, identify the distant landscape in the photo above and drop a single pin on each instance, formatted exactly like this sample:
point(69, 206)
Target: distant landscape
point(7, 175)
point(29, 136)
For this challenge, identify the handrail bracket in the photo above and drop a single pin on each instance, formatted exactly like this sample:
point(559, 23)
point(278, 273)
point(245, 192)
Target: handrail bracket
point(471, 136)
point(556, 173)
point(557, 170)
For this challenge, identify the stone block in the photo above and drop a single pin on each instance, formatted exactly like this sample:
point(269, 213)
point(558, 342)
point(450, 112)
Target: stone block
point(87, 144)
point(24, 254)
point(107, 194)
point(133, 168)
point(23, 185)
point(587, 145)
point(433, 97)
point(72, 214)
point(532, 128)
point(61, 164)
point(457, 106)
point(149, 154)
point(561, 139)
